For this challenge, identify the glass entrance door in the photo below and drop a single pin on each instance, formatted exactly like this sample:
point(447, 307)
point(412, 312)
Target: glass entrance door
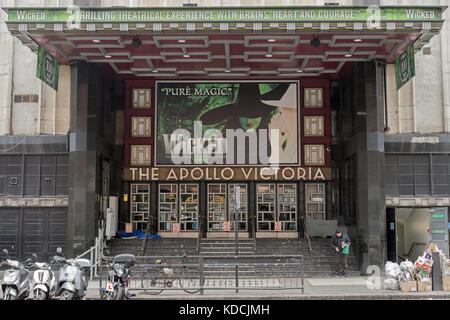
point(276, 207)
point(242, 217)
point(221, 206)
point(217, 211)
point(168, 206)
point(178, 204)
point(188, 207)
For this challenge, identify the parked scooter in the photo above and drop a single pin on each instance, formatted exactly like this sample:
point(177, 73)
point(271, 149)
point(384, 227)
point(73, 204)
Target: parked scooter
point(15, 284)
point(71, 280)
point(119, 275)
point(44, 281)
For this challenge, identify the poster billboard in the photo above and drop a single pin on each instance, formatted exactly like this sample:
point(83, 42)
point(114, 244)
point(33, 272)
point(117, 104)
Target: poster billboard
point(227, 123)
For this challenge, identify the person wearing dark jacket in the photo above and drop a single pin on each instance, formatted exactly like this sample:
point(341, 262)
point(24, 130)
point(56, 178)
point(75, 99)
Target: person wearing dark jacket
point(339, 241)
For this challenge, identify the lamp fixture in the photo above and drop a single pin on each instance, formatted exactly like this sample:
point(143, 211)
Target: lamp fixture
point(136, 43)
point(315, 42)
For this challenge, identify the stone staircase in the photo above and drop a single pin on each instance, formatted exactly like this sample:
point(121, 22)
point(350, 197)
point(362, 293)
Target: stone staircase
point(317, 264)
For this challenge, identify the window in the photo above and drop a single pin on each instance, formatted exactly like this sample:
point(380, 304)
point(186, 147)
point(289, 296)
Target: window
point(313, 126)
point(140, 206)
point(315, 201)
point(168, 206)
point(314, 155)
point(141, 126)
point(313, 97)
point(140, 155)
point(142, 98)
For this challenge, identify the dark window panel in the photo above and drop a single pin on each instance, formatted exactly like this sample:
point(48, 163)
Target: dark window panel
point(406, 169)
point(439, 159)
point(406, 190)
point(405, 159)
point(48, 170)
point(422, 179)
point(422, 159)
point(422, 190)
point(391, 159)
point(49, 160)
point(405, 179)
point(440, 189)
point(439, 169)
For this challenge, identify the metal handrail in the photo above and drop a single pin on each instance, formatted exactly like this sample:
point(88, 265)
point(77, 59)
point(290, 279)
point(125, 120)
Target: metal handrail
point(95, 252)
point(305, 226)
point(412, 247)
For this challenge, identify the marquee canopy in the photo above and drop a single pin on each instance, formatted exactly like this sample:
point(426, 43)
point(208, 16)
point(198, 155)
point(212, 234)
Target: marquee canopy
point(225, 42)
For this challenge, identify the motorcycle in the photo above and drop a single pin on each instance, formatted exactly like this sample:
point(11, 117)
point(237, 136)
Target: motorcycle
point(15, 284)
point(44, 281)
point(71, 280)
point(119, 275)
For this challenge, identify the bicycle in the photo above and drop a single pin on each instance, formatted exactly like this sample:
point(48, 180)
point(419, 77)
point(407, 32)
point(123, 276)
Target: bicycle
point(155, 279)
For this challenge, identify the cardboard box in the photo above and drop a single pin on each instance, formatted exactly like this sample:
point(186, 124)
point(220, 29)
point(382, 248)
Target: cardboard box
point(128, 227)
point(408, 286)
point(424, 286)
point(446, 284)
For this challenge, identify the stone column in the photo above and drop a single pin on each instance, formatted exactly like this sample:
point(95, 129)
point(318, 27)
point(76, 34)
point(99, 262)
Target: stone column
point(369, 140)
point(82, 164)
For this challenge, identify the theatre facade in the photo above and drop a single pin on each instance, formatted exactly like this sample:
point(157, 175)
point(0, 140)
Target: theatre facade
point(187, 117)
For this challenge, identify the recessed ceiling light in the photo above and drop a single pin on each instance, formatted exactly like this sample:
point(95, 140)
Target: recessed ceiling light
point(348, 55)
point(268, 55)
point(96, 41)
point(357, 40)
point(155, 71)
point(271, 40)
point(186, 55)
point(227, 70)
point(107, 56)
point(181, 41)
point(299, 70)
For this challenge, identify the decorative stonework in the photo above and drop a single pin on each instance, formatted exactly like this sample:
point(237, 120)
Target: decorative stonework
point(418, 201)
point(34, 202)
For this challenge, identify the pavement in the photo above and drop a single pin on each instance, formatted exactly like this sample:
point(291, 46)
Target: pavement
point(326, 288)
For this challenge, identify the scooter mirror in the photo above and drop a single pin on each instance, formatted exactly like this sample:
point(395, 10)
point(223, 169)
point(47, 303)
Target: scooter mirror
point(34, 257)
point(106, 252)
point(5, 252)
point(59, 250)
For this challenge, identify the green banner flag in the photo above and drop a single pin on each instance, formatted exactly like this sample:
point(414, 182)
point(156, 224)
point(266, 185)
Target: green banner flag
point(48, 68)
point(404, 67)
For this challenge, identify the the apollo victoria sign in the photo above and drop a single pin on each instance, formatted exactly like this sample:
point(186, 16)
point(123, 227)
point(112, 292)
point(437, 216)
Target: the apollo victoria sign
point(227, 174)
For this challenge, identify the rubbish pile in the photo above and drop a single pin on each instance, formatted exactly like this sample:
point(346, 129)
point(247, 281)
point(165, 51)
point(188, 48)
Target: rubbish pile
point(416, 277)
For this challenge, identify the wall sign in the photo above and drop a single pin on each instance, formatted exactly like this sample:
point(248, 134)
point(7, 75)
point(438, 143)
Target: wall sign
point(227, 174)
point(48, 68)
point(87, 15)
point(404, 67)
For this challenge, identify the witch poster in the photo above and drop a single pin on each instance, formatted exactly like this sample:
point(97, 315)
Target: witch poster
point(227, 123)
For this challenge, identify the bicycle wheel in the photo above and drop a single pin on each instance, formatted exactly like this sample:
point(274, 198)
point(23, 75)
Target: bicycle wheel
point(153, 281)
point(190, 280)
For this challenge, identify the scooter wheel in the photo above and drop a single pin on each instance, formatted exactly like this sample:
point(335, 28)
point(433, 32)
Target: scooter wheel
point(40, 295)
point(66, 295)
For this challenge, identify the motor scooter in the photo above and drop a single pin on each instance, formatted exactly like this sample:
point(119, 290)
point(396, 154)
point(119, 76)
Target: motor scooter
point(15, 285)
point(119, 275)
point(44, 281)
point(71, 279)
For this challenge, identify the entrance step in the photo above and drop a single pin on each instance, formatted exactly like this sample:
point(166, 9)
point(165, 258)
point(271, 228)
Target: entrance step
point(318, 263)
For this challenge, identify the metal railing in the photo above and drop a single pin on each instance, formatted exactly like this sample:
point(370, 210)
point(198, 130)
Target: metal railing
point(197, 274)
point(95, 252)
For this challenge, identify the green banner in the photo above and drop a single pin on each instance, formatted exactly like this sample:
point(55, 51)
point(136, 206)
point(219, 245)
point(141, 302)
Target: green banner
point(48, 68)
point(87, 15)
point(404, 67)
